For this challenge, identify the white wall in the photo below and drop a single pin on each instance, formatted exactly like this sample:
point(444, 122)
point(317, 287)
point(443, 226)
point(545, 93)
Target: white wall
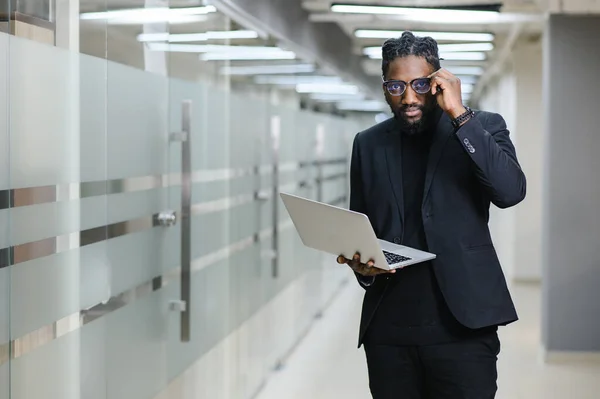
point(500, 98)
point(516, 95)
point(528, 129)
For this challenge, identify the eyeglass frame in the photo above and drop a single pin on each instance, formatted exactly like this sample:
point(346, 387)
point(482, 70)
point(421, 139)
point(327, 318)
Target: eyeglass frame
point(385, 82)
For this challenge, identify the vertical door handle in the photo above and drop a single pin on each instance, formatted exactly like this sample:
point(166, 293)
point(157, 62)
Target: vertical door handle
point(183, 305)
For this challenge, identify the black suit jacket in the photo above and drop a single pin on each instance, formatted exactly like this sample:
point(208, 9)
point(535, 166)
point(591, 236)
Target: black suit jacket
point(468, 169)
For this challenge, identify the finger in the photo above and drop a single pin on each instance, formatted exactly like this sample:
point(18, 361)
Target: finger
point(370, 263)
point(438, 84)
point(342, 260)
point(435, 73)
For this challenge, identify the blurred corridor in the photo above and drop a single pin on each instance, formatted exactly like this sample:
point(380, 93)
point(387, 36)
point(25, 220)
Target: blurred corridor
point(323, 366)
point(144, 144)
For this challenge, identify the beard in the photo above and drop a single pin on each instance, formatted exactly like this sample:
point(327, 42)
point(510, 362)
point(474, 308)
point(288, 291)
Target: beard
point(415, 127)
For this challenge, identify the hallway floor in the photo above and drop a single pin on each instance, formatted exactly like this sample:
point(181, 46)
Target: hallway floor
point(327, 365)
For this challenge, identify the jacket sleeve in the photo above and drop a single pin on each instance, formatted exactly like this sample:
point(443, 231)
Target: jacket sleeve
point(357, 200)
point(497, 168)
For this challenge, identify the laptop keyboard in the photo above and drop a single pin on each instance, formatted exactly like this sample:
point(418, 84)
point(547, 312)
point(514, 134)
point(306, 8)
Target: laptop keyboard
point(394, 258)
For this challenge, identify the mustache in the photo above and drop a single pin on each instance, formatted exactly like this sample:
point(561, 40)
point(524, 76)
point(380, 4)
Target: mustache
point(410, 107)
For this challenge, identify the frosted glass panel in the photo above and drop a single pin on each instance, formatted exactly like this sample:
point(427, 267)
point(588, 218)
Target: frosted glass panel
point(4, 332)
point(100, 141)
point(56, 367)
point(4, 128)
point(138, 146)
point(137, 122)
point(4, 219)
point(93, 121)
point(44, 114)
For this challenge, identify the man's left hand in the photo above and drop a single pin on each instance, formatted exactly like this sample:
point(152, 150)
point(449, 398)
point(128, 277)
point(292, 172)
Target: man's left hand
point(446, 88)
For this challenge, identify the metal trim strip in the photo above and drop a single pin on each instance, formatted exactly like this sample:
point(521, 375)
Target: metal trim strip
point(50, 246)
point(18, 197)
point(335, 176)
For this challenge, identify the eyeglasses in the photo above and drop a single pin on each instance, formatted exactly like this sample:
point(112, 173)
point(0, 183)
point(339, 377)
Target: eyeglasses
point(398, 87)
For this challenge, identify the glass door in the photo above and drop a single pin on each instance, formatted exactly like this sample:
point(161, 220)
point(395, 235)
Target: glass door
point(88, 236)
point(143, 245)
point(4, 217)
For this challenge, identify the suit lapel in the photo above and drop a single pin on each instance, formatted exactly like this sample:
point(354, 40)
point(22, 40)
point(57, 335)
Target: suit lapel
point(393, 158)
point(441, 135)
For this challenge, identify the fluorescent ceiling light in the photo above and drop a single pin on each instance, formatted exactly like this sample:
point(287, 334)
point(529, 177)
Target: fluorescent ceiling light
point(466, 56)
point(421, 13)
point(329, 97)
point(294, 80)
point(150, 15)
point(443, 48)
point(267, 69)
point(451, 56)
point(439, 36)
point(248, 56)
point(326, 88)
point(364, 106)
point(211, 48)
point(465, 70)
point(462, 47)
point(153, 37)
point(197, 37)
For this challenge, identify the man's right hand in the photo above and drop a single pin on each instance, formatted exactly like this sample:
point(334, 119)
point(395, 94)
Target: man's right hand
point(365, 269)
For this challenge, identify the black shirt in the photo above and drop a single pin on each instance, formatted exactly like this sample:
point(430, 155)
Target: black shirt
point(413, 310)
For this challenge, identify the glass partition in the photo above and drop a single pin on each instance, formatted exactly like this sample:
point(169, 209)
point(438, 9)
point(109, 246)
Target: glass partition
point(145, 252)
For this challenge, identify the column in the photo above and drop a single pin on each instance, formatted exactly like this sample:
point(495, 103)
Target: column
point(571, 191)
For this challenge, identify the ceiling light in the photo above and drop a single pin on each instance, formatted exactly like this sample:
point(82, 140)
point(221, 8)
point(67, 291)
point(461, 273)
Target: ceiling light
point(451, 56)
point(197, 37)
point(466, 56)
point(421, 13)
point(248, 55)
point(209, 48)
point(326, 88)
point(150, 15)
point(443, 48)
point(461, 47)
point(294, 80)
point(267, 69)
point(332, 97)
point(439, 36)
point(465, 70)
point(364, 106)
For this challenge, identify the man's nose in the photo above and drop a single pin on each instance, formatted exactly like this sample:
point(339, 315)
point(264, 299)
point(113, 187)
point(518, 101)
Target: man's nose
point(409, 96)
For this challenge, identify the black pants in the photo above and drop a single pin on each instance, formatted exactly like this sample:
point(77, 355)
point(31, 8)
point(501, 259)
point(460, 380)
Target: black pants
point(464, 369)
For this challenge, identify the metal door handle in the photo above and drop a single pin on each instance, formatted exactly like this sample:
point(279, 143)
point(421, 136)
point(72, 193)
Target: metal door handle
point(184, 137)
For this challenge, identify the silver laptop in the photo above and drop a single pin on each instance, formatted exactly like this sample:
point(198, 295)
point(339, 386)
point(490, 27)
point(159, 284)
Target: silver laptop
point(339, 231)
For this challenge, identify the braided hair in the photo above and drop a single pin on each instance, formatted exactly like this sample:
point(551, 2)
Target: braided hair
point(409, 44)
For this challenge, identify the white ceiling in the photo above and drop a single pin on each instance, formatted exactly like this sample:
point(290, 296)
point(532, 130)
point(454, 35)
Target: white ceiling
point(522, 15)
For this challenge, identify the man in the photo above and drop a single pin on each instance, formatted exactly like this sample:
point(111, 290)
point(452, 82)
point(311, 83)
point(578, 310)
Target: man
point(425, 179)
